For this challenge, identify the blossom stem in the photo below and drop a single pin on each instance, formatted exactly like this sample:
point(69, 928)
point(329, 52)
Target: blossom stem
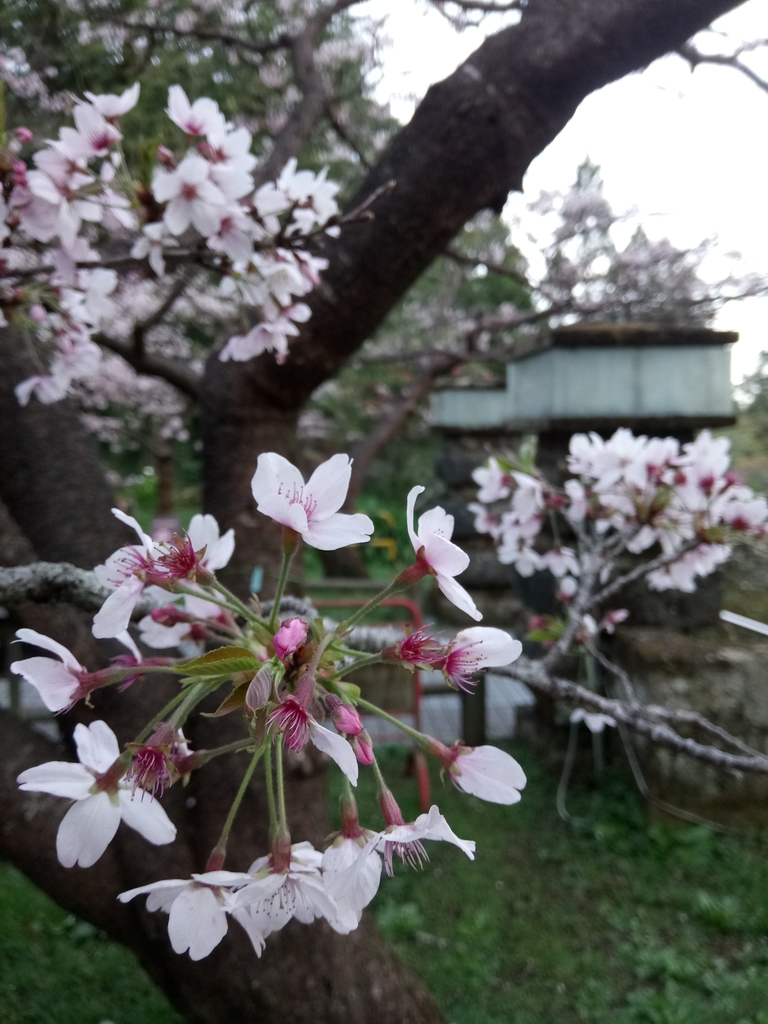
point(203, 756)
point(420, 738)
point(393, 588)
point(247, 613)
point(220, 849)
point(369, 659)
point(209, 597)
point(290, 544)
point(282, 819)
point(160, 716)
point(197, 693)
point(273, 826)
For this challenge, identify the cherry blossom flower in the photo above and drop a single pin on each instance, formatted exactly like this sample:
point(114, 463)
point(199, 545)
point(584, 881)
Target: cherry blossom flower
point(493, 481)
point(202, 117)
point(292, 718)
point(89, 826)
point(432, 543)
point(129, 570)
point(61, 683)
point(485, 772)
point(197, 909)
point(276, 895)
point(152, 244)
point(192, 198)
point(418, 648)
point(311, 508)
point(404, 840)
point(593, 720)
point(93, 137)
point(561, 562)
point(175, 624)
point(111, 106)
point(351, 893)
point(476, 648)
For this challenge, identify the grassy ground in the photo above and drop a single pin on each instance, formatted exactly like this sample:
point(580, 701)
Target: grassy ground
point(615, 922)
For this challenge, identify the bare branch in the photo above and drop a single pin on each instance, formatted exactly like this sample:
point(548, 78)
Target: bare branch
point(280, 42)
point(695, 57)
point(177, 374)
point(493, 268)
point(638, 717)
point(639, 571)
point(372, 445)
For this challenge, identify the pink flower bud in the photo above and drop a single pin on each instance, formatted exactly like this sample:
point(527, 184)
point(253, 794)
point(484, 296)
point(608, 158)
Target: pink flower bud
point(166, 158)
point(24, 135)
point(346, 719)
point(171, 615)
point(363, 747)
point(390, 808)
point(37, 313)
point(290, 636)
point(20, 173)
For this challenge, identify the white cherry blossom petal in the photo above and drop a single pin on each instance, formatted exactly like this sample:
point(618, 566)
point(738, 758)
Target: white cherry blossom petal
point(336, 747)
point(86, 830)
point(145, 815)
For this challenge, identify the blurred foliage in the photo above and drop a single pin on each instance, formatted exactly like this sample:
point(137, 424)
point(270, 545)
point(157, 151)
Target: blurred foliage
point(94, 48)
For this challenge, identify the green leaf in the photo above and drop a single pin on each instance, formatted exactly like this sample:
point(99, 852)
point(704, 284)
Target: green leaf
point(224, 661)
point(233, 702)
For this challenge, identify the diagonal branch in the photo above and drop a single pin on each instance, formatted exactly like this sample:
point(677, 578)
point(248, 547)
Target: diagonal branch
point(177, 374)
point(638, 717)
point(54, 583)
point(695, 57)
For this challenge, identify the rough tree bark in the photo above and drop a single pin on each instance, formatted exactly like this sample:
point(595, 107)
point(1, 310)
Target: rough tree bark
point(469, 143)
point(332, 978)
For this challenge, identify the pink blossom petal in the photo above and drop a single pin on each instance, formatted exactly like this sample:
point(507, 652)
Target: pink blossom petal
point(145, 815)
point(52, 680)
point(97, 745)
point(443, 555)
point(115, 613)
point(86, 830)
point(178, 216)
point(338, 531)
point(197, 922)
point(336, 747)
point(273, 474)
point(31, 636)
point(59, 778)
point(410, 508)
point(490, 774)
point(329, 484)
point(458, 596)
point(160, 894)
point(490, 646)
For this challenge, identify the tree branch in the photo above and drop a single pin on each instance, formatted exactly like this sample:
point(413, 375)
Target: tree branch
point(177, 374)
point(55, 583)
point(372, 445)
point(695, 57)
point(638, 717)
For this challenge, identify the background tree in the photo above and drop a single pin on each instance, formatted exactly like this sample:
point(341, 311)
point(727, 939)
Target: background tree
point(468, 144)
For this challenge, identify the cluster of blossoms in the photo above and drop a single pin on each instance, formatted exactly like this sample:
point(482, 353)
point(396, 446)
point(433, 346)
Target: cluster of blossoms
point(287, 681)
point(201, 208)
point(630, 493)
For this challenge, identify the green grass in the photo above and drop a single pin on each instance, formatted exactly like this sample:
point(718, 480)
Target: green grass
point(617, 922)
point(55, 969)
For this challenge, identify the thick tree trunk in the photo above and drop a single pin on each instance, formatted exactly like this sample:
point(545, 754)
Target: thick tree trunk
point(307, 974)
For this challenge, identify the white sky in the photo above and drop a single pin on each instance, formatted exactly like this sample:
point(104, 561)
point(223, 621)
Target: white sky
point(688, 151)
